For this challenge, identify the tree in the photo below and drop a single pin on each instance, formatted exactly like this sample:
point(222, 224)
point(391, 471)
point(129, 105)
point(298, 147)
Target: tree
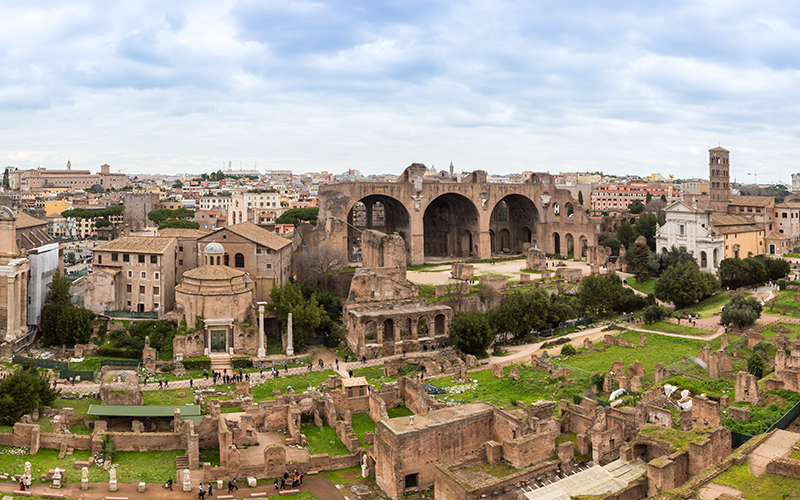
point(684, 284)
point(471, 332)
point(568, 350)
point(580, 197)
point(641, 255)
point(63, 324)
point(664, 198)
point(605, 240)
point(636, 206)
point(741, 311)
point(6, 183)
point(177, 184)
point(673, 257)
point(295, 215)
point(755, 365)
point(776, 268)
point(101, 223)
point(654, 314)
point(626, 234)
point(23, 391)
point(648, 199)
point(179, 223)
point(646, 226)
point(319, 266)
point(306, 314)
point(521, 313)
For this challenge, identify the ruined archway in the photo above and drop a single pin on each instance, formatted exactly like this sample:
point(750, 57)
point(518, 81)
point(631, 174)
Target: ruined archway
point(381, 213)
point(569, 243)
point(583, 243)
point(513, 222)
point(556, 244)
point(450, 227)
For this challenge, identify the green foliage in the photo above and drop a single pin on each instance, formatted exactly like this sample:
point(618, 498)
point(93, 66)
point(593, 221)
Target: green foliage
point(684, 284)
point(755, 365)
point(471, 332)
point(521, 312)
point(83, 213)
point(676, 255)
point(307, 315)
point(115, 352)
point(781, 284)
point(604, 295)
point(6, 184)
point(626, 234)
point(161, 333)
point(568, 350)
point(580, 195)
point(641, 256)
point(329, 302)
point(177, 184)
point(199, 363)
point(63, 324)
point(737, 273)
point(741, 311)
point(597, 380)
point(605, 240)
point(762, 417)
point(23, 391)
point(101, 223)
point(295, 215)
point(636, 206)
point(654, 314)
point(109, 451)
point(179, 223)
point(646, 226)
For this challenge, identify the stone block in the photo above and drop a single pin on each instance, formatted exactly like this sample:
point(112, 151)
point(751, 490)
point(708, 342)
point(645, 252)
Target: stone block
point(141, 487)
point(739, 414)
point(251, 482)
point(138, 426)
point(497, 371)
point(746, 388)
point(562, 372)
point(494, 452)
point(524, 279)
point(514, 373)
point(535, 259)
point(566, 451)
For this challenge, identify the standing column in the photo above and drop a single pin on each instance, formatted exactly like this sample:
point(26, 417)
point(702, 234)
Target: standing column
point(262, 352)
point(289, 346)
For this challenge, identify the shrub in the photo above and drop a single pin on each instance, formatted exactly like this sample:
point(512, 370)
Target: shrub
point(654, 314)
point(201, 363)
point(241, 363)
point(597, 380)
point(117, 352)
point(109, 452)
point(755, 365)
point(568, 350)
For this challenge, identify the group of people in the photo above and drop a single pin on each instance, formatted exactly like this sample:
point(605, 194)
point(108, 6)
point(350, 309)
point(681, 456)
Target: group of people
point(226, 378)
point(202, 490)
point(290, 482)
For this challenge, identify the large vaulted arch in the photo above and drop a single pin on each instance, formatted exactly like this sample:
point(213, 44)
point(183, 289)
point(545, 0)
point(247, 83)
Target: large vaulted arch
point(450, 227)
point(513, 222)
point(381, 213)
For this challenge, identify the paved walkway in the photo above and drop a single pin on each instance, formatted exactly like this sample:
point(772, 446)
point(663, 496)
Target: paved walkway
point(777, 445)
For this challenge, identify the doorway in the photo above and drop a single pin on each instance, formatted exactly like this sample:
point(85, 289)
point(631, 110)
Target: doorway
point(218, 340)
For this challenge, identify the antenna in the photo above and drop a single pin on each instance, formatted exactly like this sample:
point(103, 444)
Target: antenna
point(754, 174)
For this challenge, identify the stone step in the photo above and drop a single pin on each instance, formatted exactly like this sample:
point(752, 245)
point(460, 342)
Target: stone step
point(220, 362)
point(181, 462)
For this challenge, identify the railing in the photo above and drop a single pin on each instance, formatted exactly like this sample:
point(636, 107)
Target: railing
point(41, 363)
point(131, 314)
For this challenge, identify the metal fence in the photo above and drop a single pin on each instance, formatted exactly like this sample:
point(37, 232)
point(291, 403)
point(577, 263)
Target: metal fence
point(41, 363)
point(83, 374)
point(120, 362)
point(131, 314)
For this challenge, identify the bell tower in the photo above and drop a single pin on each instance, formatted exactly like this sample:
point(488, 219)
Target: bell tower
point(719, 179)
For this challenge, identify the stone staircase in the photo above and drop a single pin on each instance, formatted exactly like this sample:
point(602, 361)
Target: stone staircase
point(181, 462)
point(221, 361)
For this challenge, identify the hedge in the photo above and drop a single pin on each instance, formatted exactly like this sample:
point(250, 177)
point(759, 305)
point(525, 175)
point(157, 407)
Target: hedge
point(116, 352)
point(199, 363)
point(241, 363)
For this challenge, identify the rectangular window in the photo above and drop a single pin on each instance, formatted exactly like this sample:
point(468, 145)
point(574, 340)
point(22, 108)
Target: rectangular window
point(143, 275)
point(683, 230)
point(141, 259)
point(99, 258)
point(128, 288)
point(126, 257)
point(180, 262)
point(156, 291)
point(129, 304)
point(156, 275)
point(130, 273)
point(114, 257)
point(269, 266)
point(156, 306)
point(154, 259)
point(141, 289)
point(180, 249)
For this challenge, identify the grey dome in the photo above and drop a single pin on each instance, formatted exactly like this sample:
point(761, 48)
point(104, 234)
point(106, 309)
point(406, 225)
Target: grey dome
point(213, 248)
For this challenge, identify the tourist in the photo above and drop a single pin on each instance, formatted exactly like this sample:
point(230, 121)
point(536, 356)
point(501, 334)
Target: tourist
point(191, 384)
point(337, 365)
point(275, 483)
point(169, 484)
point(321, 364)
point(363, 359)
point(283, 483)
point(210, 489)
point(230, 486)
point(350, 373)
point(21, 484)
point(301, 479)
point(310, 366)
point(261, 372)
point(201, 493)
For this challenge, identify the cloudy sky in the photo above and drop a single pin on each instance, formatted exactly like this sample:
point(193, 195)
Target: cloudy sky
point(504, 86)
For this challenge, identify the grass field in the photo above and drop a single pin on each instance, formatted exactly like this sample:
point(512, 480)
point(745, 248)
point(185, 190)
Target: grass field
point(399, 411)
point(323, 440)
point(81, 406)
point(785, 305)
point(298, 383)
point(646, 287)
point(148, 466)
point(766, 487)
point(667, 327)
point(768, 333)
point(362, 423)
point(168, 397)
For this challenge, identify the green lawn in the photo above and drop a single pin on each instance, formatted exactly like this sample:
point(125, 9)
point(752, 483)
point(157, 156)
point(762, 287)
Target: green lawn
point(362, 423)
point(148, 466)
point(374, 374)
point(169, 397)
point(766, 487)
point(400, 411)
point(667, 327)
point(344, 476)
point(666, 350)
point(768, 333)
point(678, 439)
point(299, 383)
point(323, 440)
point(785, 305)
point(210, 455)
point(81, 406)
point(646, 287)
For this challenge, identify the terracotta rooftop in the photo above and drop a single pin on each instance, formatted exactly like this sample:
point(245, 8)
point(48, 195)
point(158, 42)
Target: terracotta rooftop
point(24, 220)
point(258, 235)
point(751, 201)
point(213, 273)
point(178, 232)
point(354, 382)
point(136, 244)
point(750, 228)
point(719, 220)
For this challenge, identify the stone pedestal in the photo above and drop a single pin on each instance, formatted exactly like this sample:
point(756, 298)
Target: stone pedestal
point(251, 482)
point(141, 487)
point(187, 486)
point(85, 484)
point(219, 484)
point(112, 486)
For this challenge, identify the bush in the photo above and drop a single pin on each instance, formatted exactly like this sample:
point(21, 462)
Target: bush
point(577, 398)
point(741, 311)
point(241, 363)
point(755, 365)
point(654, 314)
point(118, 352)
point(568, 350)
point(109, 452)
point(597, 380)
point(201, 363)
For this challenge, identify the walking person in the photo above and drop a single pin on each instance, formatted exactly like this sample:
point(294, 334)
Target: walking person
point(169, 484)
point(210, 489)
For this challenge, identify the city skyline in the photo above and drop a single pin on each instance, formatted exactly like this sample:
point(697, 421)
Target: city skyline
point(312, 86)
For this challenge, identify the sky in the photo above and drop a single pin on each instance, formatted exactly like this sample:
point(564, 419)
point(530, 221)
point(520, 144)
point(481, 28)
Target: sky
point(633, 87)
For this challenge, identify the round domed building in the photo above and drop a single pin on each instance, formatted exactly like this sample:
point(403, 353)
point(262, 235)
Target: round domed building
point(223, 297)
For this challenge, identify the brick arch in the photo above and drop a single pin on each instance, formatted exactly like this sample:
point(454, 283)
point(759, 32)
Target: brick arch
point(519, 226)
point(451, 226)
point(396, 218)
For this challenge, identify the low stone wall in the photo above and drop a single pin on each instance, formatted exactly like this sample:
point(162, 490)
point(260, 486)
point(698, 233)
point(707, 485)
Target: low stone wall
point(79, 442)
point(161, 441)
point(785, 467)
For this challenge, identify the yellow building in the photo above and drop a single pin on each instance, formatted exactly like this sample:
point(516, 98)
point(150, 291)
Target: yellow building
point(55, 207)
point(743, 238)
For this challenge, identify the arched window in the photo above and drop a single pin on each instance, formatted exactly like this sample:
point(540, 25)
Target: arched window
point(217, 259)
point(227, 260)
point(238, 260)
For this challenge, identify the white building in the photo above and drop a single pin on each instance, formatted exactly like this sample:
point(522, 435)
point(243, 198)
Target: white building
point(215, 202)
point(691, 228)
point(245, 207)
